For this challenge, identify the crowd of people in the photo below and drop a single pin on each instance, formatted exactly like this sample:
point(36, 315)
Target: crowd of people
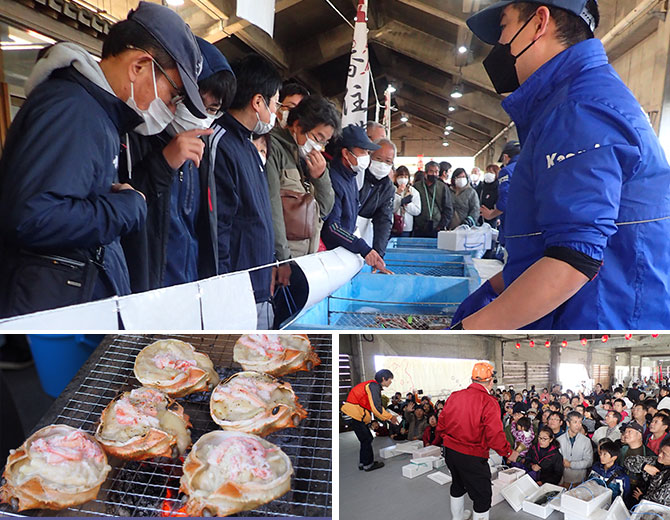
point(180, 166)
point(621, 438)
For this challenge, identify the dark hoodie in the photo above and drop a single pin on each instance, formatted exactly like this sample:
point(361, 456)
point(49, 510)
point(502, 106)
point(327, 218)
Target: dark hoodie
point(59, 163)
point(550, 461)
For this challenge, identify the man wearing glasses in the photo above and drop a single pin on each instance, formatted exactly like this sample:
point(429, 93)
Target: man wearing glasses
point(62, 208)
point(178, 243)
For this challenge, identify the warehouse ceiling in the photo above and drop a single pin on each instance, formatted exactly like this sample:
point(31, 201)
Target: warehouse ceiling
point(414, 45)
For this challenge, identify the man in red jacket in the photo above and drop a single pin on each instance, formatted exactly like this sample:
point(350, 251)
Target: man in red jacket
point(470, 425)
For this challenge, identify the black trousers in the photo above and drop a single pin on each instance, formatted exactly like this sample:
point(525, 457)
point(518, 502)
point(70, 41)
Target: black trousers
point(470, 475)
point(365, 438)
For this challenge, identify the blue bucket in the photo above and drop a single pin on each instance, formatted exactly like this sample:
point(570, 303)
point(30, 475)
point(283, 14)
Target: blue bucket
point(58, 357)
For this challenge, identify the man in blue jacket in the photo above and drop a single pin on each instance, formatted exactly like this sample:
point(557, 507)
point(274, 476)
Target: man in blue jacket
point(508, 157)
point(583, 242)
point(62, 209)
point(178, 244)
point(245, 230)
point(351, 156)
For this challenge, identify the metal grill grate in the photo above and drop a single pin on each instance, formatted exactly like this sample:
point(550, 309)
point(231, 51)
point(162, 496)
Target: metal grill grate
point(141, 488)
point(426, 268)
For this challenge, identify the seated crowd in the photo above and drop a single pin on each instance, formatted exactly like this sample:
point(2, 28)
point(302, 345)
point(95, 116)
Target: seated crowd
point(619, 438)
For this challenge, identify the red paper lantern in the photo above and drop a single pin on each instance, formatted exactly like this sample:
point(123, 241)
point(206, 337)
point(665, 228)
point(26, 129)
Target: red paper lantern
point(518, 345)
point(584, 341)
point(564, 343)
point(654, 335)
point(628, 336)
point(605, 338)
point(531, 343)
point(547, 343)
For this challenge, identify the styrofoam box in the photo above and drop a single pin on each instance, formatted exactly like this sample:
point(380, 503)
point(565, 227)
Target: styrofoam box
point(647, 506)
point(440, 478)
point(428, 451)
point(618, 510)
point(518, 490)
point(598, 514)
point(510, 475)
point(535, 509)
point(424, 460)
point(388, 452)
point(572, 504)
point(464, 239)
point(408, 447)
point(439, 463)
point(412, 470)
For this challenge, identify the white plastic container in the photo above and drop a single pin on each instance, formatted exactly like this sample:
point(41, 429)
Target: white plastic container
point(388, 452)
point(510, 475)
point(465, 239)
point(424, 460)
point(542, 511)
point(618, 510)
point(439, 463)
point(428, 451)
point(647, 506)
point(440, 478)
point(517, 491)
point(413, 470)
point(409, 447)
point(586, 498)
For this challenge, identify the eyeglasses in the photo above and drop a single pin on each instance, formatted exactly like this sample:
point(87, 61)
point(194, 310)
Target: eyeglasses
point(314, 138)
point(180, 95)
point(544, 438)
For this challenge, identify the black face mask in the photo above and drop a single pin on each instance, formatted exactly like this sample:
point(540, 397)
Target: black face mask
point(499, 64)
point(431, 178)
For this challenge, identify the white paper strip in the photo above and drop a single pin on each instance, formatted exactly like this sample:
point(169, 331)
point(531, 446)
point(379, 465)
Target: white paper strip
point(228, 303)
point(328, 271)
point(95, 316)
point(261, 13)
point(172, 308)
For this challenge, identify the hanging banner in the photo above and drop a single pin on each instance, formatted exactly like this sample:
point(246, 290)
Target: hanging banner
point(355, 108)
point(261, 13)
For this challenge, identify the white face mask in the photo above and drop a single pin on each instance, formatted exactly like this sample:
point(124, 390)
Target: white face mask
point(262, 127)
point(475, 178)
point(461, 182)
point(283, 118)
point(402, 181)
point(379, 169)
point(489, 177)
point(309, 145)
point(363, 162)
point(184, 120)
point(156, 117)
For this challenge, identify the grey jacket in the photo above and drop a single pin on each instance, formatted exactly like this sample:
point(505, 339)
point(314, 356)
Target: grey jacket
point(466, 204)
point(580, 456)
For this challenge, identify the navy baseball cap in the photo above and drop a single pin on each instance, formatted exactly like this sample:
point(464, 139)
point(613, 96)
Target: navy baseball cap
point(486, 23)
point(511, 148)
point(213, 60)
point(179, 42)
point(355, 136)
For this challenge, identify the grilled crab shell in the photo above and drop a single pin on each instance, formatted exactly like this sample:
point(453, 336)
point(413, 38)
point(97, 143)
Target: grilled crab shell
point(199, 378)
point(38, 492)
point(155, 443)
point(253, 353)
point(229, 496)
point(257, 416)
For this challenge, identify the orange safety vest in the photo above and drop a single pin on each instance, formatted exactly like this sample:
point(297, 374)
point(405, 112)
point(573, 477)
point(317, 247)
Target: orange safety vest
point(358, 395)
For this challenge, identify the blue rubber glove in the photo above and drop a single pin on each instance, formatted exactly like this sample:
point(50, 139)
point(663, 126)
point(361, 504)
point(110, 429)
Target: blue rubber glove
point(477, 300)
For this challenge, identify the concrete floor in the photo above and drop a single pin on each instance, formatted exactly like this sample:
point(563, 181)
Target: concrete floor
point(385, 494)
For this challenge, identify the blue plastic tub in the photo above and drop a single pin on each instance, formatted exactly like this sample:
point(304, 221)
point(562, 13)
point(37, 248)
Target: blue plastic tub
point(389, 302)
point(58, 357)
